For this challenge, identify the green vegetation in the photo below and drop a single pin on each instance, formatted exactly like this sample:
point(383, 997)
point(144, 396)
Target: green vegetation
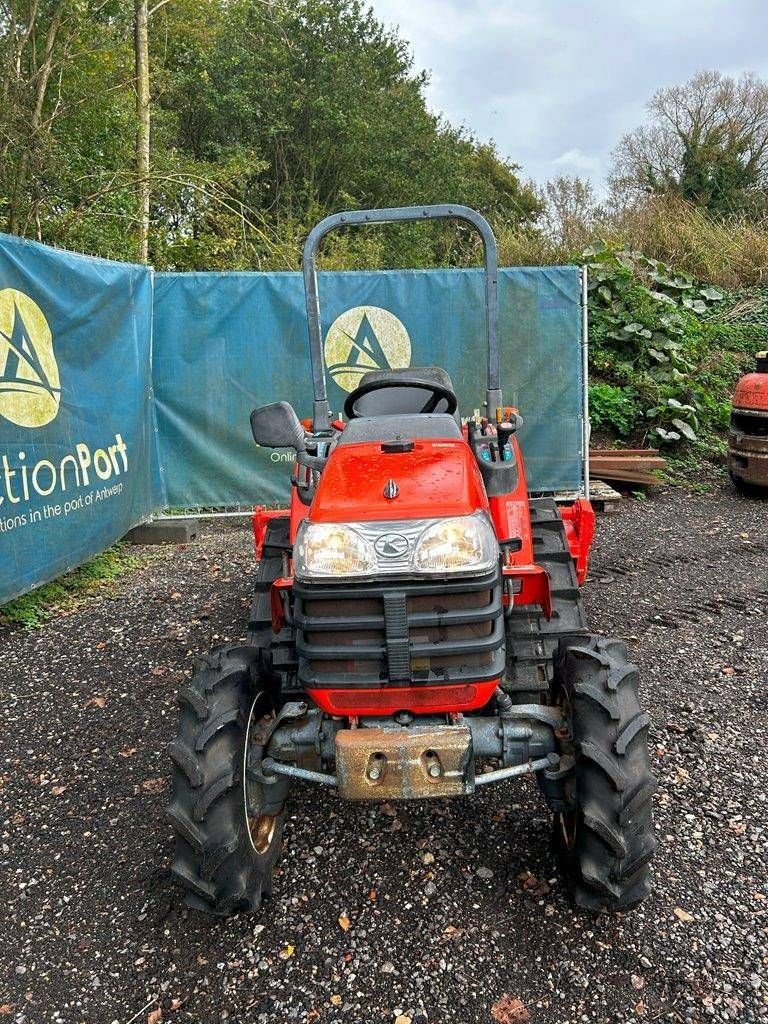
point(664, 353)
point(34, 609)
point(266, 116)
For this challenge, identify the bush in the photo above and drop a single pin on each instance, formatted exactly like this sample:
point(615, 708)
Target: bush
point(613, 408)
point(664, 358)
point(730, 251)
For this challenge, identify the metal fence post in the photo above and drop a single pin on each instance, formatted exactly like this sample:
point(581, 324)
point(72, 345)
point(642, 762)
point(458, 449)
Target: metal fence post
point(586, 426)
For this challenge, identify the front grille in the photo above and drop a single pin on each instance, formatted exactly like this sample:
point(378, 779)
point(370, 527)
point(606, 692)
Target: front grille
point(754, 424)
point(399, 633)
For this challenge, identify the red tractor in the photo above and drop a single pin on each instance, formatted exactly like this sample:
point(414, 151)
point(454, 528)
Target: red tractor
point(416, 632)
point(748, 435)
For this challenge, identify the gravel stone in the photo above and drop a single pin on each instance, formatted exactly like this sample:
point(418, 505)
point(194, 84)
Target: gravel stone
point(92, 915)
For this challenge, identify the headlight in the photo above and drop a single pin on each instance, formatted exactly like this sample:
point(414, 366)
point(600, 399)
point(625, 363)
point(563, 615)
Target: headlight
point(456, 545)
point(461, 544)
point(331, 550)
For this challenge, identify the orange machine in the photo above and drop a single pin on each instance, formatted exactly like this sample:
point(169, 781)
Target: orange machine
point(748, 436)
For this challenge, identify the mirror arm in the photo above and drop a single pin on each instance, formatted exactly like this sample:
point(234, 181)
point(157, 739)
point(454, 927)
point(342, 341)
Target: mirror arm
point(311, 461)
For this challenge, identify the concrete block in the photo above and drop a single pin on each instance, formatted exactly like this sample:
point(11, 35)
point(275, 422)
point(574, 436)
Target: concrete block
point(170, 530)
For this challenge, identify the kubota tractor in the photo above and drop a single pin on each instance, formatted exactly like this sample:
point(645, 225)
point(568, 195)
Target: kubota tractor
point(416, 633)
point(748, 434)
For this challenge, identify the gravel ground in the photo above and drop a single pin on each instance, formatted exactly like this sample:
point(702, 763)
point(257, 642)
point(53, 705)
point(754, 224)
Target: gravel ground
point(449, 907)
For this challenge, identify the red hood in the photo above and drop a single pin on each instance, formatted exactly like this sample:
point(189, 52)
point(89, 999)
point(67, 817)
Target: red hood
point(437, 478)
point(752, 392)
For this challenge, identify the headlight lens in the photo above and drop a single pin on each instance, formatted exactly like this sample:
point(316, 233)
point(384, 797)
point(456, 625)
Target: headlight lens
point(456, 545)
point(331, 550)
point(459, 544)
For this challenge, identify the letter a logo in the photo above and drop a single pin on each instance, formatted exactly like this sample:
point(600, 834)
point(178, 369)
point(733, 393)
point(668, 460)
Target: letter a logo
point(365, 338)
point(30, 390)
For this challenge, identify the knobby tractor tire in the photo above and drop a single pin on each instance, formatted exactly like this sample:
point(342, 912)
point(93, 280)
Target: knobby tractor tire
point(224, 853)
point(605, 842)
point(532, 638)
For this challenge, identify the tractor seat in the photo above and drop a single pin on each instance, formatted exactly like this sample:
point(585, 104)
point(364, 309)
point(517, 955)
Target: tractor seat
point(398, 392)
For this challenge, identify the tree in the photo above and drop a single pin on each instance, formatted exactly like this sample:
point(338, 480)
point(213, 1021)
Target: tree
point(292, 111)
point(143, 120)
point(31, 39)
point(64, 92)
point(705, 141)
point(265, 116)
point(571, 212)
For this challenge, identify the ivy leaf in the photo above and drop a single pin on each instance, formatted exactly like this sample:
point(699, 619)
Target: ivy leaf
point(711, 293)
point(685, 429)
point(667, 435)
point(605, 293)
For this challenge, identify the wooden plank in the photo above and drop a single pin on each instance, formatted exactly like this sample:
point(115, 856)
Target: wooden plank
point(634, 477)
point(631, 465)
point(643, 465)
point(606, 453)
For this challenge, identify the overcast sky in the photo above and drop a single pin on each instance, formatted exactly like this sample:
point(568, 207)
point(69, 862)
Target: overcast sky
point(557, 82)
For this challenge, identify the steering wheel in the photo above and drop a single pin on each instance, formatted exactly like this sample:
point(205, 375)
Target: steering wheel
point(436, 393)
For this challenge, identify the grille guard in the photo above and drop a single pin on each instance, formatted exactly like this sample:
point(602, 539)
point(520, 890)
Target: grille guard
point(396, 649)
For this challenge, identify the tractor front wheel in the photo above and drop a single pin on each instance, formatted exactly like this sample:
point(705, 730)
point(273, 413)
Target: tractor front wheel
point(228, 824)
point(605, 836)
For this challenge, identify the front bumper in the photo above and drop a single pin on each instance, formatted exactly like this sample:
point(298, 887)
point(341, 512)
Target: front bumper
point(414, 758)
point(748, 458)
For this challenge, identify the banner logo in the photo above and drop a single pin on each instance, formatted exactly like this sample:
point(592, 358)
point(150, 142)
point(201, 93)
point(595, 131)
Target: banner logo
point(30, 390)
point(365, 338)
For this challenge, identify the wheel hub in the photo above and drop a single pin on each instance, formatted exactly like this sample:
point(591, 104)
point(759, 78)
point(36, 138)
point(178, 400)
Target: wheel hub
point(261, 826)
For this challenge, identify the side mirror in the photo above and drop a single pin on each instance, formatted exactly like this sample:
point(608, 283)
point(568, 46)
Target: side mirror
point(277, 426)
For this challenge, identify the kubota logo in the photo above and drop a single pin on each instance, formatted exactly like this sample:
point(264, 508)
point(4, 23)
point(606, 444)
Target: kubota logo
point(30, 390)
point(391, 545)
point(365, 338)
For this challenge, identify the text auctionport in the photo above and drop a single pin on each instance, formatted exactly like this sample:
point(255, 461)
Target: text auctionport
point(21, 482)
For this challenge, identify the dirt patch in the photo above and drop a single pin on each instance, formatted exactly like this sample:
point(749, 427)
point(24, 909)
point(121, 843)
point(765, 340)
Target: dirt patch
point(454, 912)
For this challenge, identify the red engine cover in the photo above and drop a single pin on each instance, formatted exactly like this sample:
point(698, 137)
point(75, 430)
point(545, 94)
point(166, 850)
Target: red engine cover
point(436, 478)
point(752, 392)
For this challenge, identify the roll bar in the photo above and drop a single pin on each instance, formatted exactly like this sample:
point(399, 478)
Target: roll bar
point(321, 412)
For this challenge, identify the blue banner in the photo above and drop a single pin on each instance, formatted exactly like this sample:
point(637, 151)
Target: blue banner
point(76, 420)
point(123, 392)
point(225, 343)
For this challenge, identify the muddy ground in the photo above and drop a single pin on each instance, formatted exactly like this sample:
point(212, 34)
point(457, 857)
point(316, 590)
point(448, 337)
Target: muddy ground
point(93, 928)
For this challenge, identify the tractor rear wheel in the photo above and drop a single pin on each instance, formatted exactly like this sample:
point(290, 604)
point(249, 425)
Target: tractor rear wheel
point(605, 836)
point(532, 638)
point(228, 825)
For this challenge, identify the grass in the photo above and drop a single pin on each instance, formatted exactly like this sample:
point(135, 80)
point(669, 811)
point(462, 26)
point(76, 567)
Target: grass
point(34, 609)
point(731, 252)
